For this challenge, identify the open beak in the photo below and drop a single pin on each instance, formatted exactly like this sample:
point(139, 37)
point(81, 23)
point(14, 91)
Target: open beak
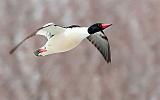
point(105, 25)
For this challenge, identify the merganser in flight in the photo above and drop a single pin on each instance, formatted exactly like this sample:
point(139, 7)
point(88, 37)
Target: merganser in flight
point(61, 39)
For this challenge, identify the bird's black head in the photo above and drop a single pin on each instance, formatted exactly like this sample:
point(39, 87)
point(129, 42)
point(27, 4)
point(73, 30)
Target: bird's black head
point(97, 27)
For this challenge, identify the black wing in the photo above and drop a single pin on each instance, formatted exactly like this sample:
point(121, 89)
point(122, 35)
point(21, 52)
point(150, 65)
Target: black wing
point(100, 41)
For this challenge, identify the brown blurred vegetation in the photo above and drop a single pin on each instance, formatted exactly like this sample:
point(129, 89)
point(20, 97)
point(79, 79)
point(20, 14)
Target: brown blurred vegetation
point(82, 73)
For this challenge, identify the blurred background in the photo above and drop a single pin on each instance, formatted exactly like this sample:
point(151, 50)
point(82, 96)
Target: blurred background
point(82, 73)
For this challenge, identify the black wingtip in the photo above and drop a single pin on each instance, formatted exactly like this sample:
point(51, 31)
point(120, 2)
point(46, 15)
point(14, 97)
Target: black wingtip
point(13, 50)
point(108, 60)
point(109, 54)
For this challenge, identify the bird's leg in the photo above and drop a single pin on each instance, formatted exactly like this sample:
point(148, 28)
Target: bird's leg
point(40, 51)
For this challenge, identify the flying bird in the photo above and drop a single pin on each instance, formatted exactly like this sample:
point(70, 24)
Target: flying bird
point(62, 39)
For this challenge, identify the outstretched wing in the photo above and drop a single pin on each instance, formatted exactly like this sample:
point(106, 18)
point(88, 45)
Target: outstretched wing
point(100, 41)
point(47, 30)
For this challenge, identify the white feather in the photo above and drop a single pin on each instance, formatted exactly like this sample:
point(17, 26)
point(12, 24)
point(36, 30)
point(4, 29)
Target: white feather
point(65, 41)
point(49, 30)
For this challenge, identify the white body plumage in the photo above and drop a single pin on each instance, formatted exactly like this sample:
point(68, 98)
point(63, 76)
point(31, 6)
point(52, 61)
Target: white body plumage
point(65, 41)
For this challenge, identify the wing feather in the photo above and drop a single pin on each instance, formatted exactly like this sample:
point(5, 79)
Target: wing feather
point(50, 30)
point(47, 30)
point(100, 41)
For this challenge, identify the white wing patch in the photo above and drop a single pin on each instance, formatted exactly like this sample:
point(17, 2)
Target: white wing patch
point(50, 30)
